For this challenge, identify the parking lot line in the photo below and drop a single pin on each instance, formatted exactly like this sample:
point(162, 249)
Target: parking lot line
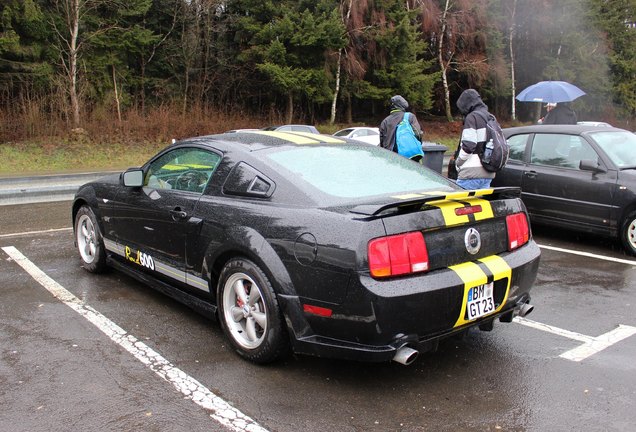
point(554, 330)
point(591, 345)
point(599, 343)
point(26, 233)
point(588, 254)
point(222, 411)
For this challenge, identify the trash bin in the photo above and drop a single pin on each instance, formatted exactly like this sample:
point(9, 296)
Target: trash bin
point(433, 156)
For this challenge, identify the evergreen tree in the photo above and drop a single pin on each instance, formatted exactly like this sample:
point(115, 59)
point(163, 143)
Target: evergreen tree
point(24, 59)
point(400, 66)
point(617, 19)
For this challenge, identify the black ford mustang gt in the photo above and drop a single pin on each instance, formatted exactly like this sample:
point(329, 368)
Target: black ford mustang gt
point(326, 246)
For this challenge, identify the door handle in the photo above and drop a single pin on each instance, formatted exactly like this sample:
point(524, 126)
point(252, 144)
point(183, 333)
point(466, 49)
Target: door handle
point(178, 214)
point(530, 174)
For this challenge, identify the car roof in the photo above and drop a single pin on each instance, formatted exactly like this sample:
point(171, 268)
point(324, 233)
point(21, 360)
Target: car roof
point(252, 140)
point(570, 129)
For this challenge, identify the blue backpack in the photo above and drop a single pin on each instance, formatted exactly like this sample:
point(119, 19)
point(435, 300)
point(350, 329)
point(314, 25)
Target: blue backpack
point(407, 143)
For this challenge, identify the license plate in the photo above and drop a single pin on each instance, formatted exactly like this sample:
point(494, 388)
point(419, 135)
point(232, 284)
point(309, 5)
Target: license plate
point(480, 301)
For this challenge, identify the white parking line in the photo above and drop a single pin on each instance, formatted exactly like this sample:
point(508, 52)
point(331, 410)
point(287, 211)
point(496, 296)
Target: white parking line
point(26, 233)
point(222, 411)
point(599, 343)
point(588, 254)
point(591, 345)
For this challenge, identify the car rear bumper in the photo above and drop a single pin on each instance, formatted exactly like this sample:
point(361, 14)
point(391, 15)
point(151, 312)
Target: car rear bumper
point(379, 317)
point(334, 348)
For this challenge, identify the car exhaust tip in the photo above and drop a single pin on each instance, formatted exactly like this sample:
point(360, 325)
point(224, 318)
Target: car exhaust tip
point(525, 309)
point(405, 355)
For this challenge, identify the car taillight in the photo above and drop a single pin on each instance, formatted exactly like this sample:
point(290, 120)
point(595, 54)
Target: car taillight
point(398, 255)
point(518, 232)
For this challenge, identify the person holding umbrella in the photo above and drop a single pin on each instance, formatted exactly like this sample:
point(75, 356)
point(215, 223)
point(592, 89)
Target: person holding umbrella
point(559, 92)
point(561, 114)
point(548, 107)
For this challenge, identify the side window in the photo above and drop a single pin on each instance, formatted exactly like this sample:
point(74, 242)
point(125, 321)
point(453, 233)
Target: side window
point(185, 169)
point(300, 129)
point(517, 145)
point(579, 150)
point(246, 180)
point(551, 149)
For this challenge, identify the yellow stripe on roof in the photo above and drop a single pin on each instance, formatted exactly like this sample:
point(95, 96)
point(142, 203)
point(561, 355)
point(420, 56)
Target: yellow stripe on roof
point(290, 137)
point(324, 138)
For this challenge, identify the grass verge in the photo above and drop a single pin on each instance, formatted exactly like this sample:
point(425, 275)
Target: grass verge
point(81, 154)
point(36, 158)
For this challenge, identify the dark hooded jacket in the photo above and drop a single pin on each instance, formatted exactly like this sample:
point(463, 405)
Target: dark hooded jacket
point(561, 114)
point(473, 137)
point(399, 106)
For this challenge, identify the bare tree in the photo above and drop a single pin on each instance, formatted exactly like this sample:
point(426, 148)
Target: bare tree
point(334, 100)
point(511, 33)
point(444, 63)
point(73, 14)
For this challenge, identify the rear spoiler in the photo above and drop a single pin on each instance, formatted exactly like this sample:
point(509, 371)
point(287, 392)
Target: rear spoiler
point(418, 199)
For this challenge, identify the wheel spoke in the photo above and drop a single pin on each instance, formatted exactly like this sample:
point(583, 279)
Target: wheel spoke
point(255, 296)
point(239, 289)
point(87, 250)
point(251, 329)
point(260, 318)
point(237, 313)
point(85, 231)
point(92, 248)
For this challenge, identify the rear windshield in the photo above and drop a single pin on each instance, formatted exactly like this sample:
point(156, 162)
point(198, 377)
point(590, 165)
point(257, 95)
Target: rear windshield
point(620, 147)
point(358, 171)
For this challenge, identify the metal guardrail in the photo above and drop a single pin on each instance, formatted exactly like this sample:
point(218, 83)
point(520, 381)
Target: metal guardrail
point(45, 188)
point(62, 187)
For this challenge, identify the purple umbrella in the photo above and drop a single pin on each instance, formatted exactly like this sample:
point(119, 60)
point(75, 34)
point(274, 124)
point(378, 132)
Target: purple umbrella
point(550, 92)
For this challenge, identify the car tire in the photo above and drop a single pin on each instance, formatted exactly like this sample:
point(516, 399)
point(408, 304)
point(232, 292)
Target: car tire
point(89, 241)
point(249, 312)
point(628, 233)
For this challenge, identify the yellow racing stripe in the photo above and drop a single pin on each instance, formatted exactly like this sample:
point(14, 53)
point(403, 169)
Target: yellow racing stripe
point(289, 137)
point(322, 138)
point(472, 275)
point(500, 270)
point(486, 208)
point(448, 208)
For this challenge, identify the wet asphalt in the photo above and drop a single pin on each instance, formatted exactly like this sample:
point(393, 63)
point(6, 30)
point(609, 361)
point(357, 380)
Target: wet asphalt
point(58, 372)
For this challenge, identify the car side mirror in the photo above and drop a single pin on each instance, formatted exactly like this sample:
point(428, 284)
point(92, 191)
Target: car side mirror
point(133, 177)
point(591, 165)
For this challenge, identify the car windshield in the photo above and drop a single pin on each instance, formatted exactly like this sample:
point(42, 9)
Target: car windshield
point(620, 147)
point(343, 132)
point(358, 172)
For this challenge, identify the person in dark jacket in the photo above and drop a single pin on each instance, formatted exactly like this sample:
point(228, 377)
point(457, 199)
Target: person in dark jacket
point(470, 173)
point(561, 114)
point(399, 106)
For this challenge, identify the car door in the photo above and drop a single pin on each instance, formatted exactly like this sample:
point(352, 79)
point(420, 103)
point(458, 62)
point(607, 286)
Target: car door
point(151, 222)
point(556, 189)
point(512, 173)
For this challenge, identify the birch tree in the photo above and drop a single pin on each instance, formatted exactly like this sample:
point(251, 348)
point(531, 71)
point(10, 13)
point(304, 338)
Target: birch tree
point(76, 23)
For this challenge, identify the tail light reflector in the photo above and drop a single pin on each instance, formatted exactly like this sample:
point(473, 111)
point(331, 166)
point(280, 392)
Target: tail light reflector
point(518, 231)
point(398, 255)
